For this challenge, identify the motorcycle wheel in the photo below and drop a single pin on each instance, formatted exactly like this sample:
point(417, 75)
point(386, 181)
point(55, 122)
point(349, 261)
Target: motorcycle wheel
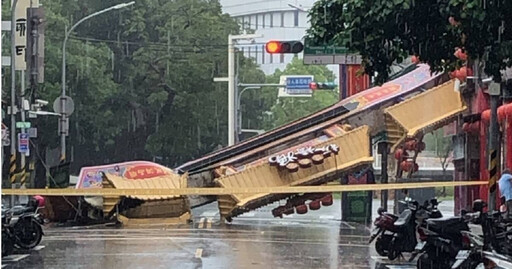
point(28, 234)
point(393, 251)
point(381, 246)
point(7, 245)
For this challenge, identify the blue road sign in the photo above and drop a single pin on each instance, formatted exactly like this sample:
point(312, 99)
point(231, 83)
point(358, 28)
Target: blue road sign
point(298, 84)
point(23, 142)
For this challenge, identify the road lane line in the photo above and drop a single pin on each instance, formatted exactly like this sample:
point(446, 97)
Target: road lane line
point(209, 223)
point(14, 258)
point(199, 253)
point(201, 223)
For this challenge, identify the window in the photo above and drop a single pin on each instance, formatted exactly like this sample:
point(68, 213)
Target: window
point(248, 52)
point(281, 58)
point(271, 58)
point(263, 21)
point(282, 19)
point(256, 24)
point(271, 20)
point(263, 54)
point(296, 18)
point(249, 23)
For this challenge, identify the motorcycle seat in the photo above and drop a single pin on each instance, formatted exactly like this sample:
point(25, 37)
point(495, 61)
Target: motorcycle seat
point(393, 216)
point(404, 218)
point(446, 224)
point(19, 209)
point(444, 221)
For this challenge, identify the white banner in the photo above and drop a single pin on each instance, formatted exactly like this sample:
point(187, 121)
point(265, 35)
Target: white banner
point(20, 40)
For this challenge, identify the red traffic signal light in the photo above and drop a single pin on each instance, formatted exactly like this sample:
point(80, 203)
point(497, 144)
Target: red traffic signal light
point(284, 47)
point(322, 85)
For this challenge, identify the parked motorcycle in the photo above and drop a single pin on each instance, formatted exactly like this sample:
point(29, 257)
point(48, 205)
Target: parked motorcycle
point(477, 257)
point(22, 225)
point(397, 234)
point(494, 245)
point(444, 238)
point(7, 237)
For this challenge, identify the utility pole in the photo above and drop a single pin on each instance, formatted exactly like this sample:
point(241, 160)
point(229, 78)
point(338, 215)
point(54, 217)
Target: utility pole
point(12, 164)
point(494, 92)
point(232, 84)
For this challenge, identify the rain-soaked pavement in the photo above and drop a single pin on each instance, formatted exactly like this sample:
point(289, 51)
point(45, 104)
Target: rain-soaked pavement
point(255, 240)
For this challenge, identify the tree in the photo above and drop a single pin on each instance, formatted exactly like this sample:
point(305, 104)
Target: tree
point(385, 32)
point(285, 110)
point(142, 80)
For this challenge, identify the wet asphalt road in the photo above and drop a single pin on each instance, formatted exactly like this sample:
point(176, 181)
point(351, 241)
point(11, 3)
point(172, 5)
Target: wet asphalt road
point(255, 240)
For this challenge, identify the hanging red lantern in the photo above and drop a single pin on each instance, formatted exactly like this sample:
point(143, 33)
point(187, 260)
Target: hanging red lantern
point(301, 209)
point(400, 154)
point(406, 165)
point(415, 59)
point(410, 145)
point(327, 200)
point(314, 205)
point(460, 54)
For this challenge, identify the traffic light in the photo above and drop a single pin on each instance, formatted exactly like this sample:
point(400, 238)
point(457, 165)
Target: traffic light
point(284, 47)
point(322, 85)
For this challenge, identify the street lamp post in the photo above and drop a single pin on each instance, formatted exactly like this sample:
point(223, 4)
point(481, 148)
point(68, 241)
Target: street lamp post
point(63, 91)
point(231, 83)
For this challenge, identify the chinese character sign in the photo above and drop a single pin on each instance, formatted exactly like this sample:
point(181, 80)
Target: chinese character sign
point(90, 177)
point(20, 35)
point(303, 157)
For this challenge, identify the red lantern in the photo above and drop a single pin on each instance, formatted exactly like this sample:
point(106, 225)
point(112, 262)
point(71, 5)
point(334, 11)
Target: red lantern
point(406, 165)
point(410, 145)
point(314, 205)
point(415, 59)
point(461, 55)
point(302, 209)
point(327, 200)
point(400, 154)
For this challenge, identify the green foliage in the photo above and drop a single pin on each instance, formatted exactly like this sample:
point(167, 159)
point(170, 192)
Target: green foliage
point(285, 110)
point(142, 79)
point(385, 32)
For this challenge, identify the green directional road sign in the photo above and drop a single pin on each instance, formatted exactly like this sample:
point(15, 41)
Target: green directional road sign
point(23, 124)
point(328, 54)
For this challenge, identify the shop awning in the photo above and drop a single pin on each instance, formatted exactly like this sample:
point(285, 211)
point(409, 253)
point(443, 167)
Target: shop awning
point(354, 151)
point(424, 112)
point(173, 181)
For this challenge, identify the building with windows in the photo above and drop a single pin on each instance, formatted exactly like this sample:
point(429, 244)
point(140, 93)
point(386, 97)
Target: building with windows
point(275, 20)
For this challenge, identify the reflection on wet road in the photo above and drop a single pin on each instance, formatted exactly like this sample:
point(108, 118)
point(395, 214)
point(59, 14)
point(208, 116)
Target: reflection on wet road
point(255, 240)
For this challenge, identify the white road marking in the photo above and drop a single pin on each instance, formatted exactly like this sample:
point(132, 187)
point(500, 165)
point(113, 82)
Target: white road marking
point(326, 217)
point(201, 223)
point(208, 223)
point(14, 258)
point(37, 248)
point(288, 216)
point(199, 253)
